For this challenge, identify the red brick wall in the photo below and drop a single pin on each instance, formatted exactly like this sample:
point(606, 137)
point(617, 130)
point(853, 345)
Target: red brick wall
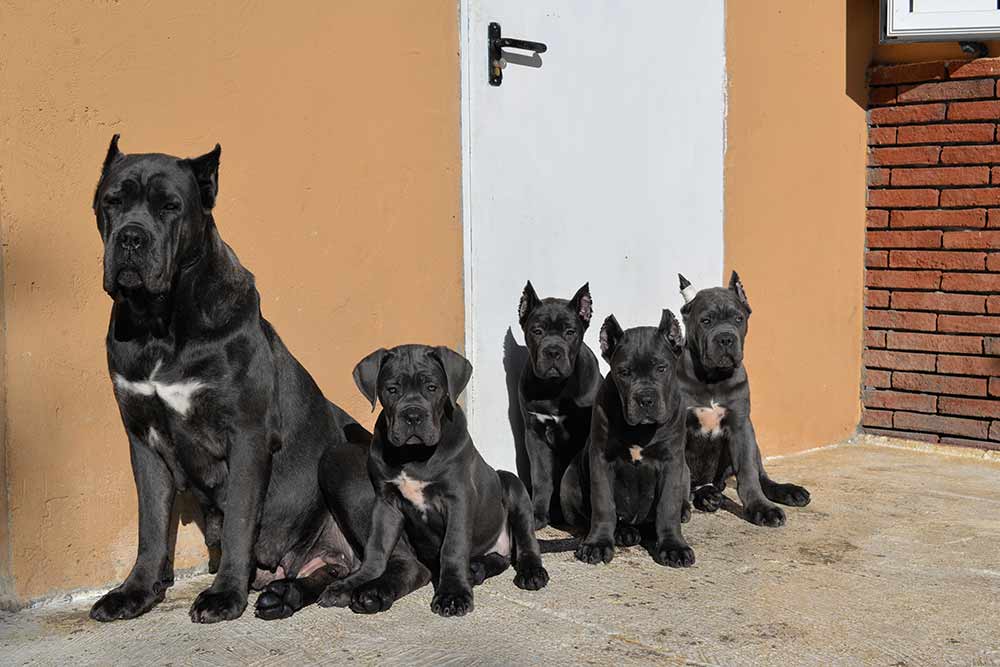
point(932, 296)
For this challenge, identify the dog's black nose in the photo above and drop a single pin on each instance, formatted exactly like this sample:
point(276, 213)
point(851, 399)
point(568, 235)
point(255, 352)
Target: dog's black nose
point(553, 353)
point(646, 399)
point(132, 237)
point(725, 340)
point(413, 416)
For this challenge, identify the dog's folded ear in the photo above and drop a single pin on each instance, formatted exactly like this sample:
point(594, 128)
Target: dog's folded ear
point(583, 304)
point(611, 335)
point(457, 371)
point(736, 285)
point(529, 301)
point(366, 374)
point(670, 329)
point(206, 172)
point(112, 156)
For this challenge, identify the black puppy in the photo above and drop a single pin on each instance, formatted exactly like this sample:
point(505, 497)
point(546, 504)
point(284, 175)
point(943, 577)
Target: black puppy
point(464, 520)
point(632, 472)
point(721, 440)
point(556, 391)
point(213, 403)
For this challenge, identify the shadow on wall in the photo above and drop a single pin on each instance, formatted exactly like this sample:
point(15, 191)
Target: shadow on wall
point(515, 356)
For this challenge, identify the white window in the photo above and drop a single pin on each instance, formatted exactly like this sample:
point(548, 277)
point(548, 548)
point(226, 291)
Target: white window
point(940, 20)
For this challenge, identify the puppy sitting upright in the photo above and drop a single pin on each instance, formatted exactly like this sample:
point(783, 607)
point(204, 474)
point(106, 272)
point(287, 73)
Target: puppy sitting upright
point(557, 389)
point(465, 521)
point(632, 473)
point(721, 439)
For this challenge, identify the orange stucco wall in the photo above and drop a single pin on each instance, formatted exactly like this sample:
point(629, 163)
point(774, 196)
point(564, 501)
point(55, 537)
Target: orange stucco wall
point(795, 204)
point(339, 123)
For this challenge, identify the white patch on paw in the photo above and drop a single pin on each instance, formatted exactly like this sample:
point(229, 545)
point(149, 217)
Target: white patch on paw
point(544, 418)
point(413, 491)
point(636, 452)
point(710, 419)
point(177, 395)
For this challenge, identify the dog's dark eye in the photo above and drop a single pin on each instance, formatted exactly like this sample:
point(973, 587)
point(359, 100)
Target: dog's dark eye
point(570, 332)
point(706, 320)
point(171, 206)
point(113, 201)
point(739, 319)
point(432, 388)
point(661, 369)
point(624, 372)
point(391, 390)
point(537, 331)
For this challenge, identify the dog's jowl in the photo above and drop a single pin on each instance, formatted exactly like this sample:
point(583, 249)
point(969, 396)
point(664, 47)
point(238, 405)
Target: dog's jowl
point(556, 391)
point(721, 440)
point(214, 404)
point(632, 476)
point(464, 520)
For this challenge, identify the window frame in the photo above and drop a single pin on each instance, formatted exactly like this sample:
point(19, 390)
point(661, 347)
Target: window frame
point(899, 25)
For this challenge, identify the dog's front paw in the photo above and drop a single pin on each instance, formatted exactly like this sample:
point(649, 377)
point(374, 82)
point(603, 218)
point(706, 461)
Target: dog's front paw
point(531, 578)
point(707, 499)
point(452, 603)
point(122, 603)
point(765, 514)
point(214, 606)
point(627, 536)
point(789, 494)
point(594, 552)
point(337, 594)
point(673, 554)
point(372, 598)
point(279, 599)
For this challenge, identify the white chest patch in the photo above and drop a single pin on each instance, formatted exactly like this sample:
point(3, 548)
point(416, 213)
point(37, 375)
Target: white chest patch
point(636, 452)
point(545, 419)
point(413, 491)
point(177, 395)
point(710, 419)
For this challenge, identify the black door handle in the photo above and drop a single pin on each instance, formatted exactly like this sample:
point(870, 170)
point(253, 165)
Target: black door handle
point(495, 44)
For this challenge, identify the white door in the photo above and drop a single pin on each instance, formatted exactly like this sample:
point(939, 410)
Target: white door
point(603, 164)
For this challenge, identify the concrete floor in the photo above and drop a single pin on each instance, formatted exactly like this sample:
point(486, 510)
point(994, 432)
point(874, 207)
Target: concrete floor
point(895, 562)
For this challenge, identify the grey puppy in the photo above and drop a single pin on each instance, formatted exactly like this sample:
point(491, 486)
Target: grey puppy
point(720, 436)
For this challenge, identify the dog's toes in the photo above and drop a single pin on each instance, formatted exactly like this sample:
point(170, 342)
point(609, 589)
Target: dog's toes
point(447, 604)
point(708, 501)
point(371, 599)
point(214, 606)
point(770, 516)
point(790, 494)
point(122, 604)
point(335, 595)
point(595, 552)
point(674, 555)
point(531, 578)
point(627, 536)
point(280, 599)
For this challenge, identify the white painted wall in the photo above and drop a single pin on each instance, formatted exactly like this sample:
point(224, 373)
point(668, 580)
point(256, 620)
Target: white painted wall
point(603, 165)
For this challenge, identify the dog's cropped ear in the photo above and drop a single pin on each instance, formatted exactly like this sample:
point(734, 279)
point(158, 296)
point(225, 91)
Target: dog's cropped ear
point(688, 292)
point(736, 285)
point(529, 301)
point(670, 329)
point(457, 370)
point(366, 374)
point(583, 304)
point(112, 156)
point(611, 335)
point(206, 172)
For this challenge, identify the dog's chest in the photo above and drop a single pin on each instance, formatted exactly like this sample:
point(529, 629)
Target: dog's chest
point(635, 484)
point(708, 420)
point(414, 493)
point(176, 395)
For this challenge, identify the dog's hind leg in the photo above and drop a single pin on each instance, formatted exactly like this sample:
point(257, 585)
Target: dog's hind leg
point(486, 566)
point(526, 554)
point(283, 597)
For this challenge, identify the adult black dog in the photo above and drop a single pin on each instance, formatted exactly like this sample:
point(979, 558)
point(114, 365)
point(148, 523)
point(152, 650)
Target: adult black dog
point(632, 473)
point(213, 403)
point(556, 390)
point(721, 440)
point(465, 521)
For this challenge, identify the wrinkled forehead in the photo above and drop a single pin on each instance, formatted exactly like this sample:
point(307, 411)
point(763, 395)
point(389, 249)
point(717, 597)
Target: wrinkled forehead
point(151, 171)
point(643, 345)
point(553, 313)
point(716, 301)
point(409, 363)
